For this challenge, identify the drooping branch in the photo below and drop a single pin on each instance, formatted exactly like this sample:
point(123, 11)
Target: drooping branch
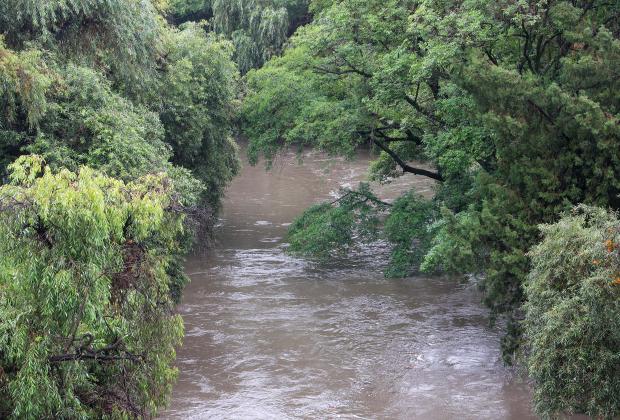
point(338, 72)
point(380, 131)
point(405, 166)
point(98, 356)
point(526, 49)
point(341, 61)
point(388, 139)
point(365, 198)
point(429, 115)
point(109, 353)
point(355, 68)
point(410, 137)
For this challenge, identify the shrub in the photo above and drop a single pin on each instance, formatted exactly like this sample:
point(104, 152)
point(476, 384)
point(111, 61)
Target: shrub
point(87, 327)
point(573, 313)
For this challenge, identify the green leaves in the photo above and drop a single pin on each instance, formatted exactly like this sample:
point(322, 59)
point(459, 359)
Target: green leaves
point(514, 103)
point(123, 35)
point(333, 228)
point(72, 113)
point(572, 312)
point(257, 28)
point(25, 82)
point(321, 231)
point(86, 259)
point(198, 102)
point(115, 144)
point(408, 228)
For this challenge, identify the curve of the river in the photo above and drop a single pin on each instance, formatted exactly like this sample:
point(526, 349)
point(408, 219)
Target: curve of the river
point(269, 336)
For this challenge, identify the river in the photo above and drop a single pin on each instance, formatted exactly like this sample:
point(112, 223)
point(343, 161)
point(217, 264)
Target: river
point(269, 336)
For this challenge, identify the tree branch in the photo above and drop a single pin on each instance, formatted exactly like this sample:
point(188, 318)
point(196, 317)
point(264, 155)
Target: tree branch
point(355, 69)
point(411, 101)
point(72, 357)
point(109, 353)
point(364, 196)
point(337, 72)
point(406, 167)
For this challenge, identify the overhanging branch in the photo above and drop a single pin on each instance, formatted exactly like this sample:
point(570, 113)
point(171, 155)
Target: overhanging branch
point(71, 357)
point(405, 166)
point(110, 353)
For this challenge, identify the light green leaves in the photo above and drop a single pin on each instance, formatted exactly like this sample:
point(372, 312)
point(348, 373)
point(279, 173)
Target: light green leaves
point(572, 314)
point(333, 228)
point(85, 261)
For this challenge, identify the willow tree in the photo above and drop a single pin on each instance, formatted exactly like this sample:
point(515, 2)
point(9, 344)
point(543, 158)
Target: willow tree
point(119, 37)
point(87, 327)
point(257, 28)
point(121, 134)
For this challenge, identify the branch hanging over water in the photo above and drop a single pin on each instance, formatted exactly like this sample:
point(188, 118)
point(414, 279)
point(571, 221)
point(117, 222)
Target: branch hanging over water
point(405, 166)
point(365, 198)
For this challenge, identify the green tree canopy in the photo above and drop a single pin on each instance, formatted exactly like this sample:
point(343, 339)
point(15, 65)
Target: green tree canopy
point(115, 147)
point(198, 101)
point(87, 327)
point(75, 112)
point(118, 37)
point(515, 106)
point(257, 28)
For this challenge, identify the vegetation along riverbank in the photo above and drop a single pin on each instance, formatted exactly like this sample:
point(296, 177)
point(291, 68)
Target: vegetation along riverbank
point(117, 130)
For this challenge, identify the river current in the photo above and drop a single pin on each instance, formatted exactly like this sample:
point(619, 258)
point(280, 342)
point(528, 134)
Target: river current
point(270, 336)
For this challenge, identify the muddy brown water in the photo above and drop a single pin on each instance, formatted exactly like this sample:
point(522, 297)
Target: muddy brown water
point(270, 336)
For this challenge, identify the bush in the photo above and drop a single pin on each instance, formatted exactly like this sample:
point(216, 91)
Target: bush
point(87, 327)
point(573, 315)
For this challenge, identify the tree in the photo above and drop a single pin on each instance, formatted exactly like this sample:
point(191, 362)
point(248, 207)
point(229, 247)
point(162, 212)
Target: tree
point(257, 28)
point(87, 327)
point(572, 312)
point(115, 148)
point(118, 37)
point(74, 111)
point(197, 98)
point(513, 105)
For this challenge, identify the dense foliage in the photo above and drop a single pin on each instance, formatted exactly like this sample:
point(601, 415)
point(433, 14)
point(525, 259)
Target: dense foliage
point(73, 115)
point(257, 28)
point(119, 37)
point(116, 125)
point(198, 94)
point(572, 315)
point(329, 228)
point(86, 318)
point(121, 127)
point(514, 104)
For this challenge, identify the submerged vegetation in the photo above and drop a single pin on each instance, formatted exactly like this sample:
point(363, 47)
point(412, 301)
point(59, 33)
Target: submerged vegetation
point(511, 108)
point(116, 145)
